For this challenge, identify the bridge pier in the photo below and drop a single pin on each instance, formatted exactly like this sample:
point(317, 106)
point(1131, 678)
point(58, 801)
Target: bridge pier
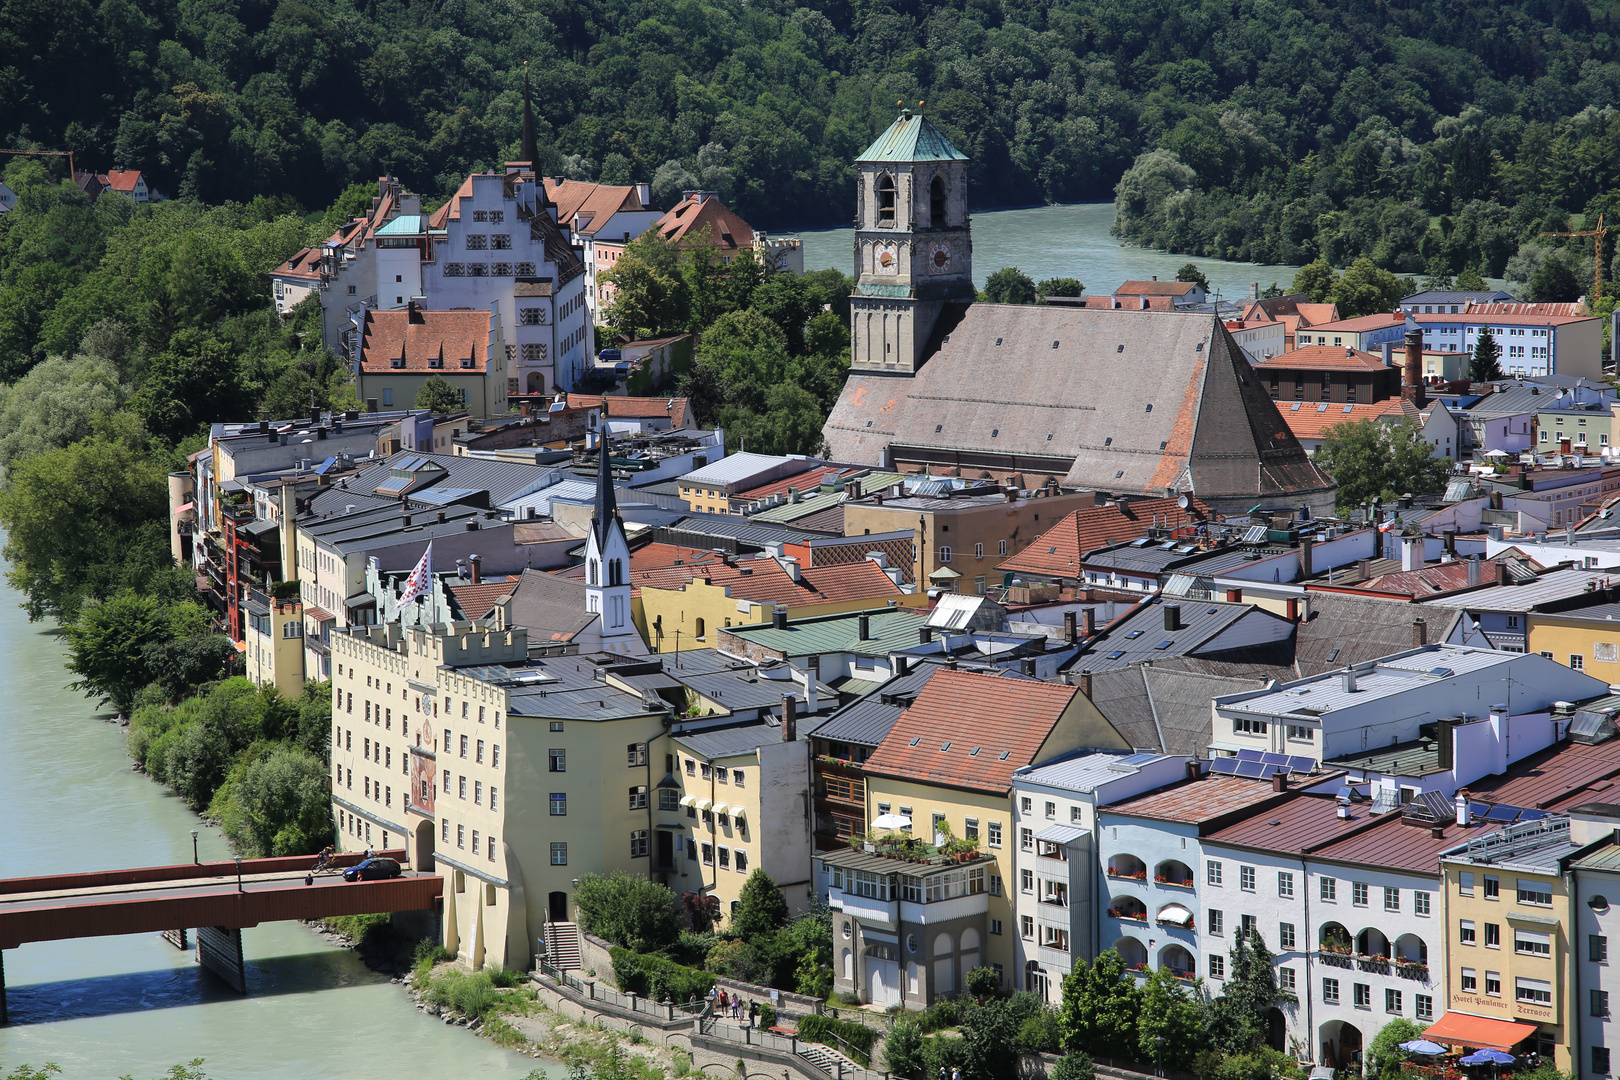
point(219, 949)
point(177, 938)
point(5, 1017)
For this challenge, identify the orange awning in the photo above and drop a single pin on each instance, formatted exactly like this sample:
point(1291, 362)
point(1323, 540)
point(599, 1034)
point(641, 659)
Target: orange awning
point(1461, 1029)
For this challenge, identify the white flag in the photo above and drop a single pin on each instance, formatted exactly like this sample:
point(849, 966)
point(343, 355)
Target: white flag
point(420, 583)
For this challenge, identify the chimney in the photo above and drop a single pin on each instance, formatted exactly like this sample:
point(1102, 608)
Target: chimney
point(1461, 802)
point(1389, 354)
point(1070, 630)
point(1172, 616)
point(1027, 666)
point(791, 565)
point(1420, 633)
point(1193, 770)
point(314, 414)
point(1411, 553)
point(475, 567)
point(1279, 781)
point(1088, 622)
point(1473, 572)
point(1347, 681)
point(790, 718)
point(438, 516)
point(853, 489)
point(1364, 568)
point(864, 625)
point(1085, 683)
point(1450, 536)
point(1501, 572)
point(1413, 390)
point(1293, 609)
point(779, 618)
point(1445, 736)
point(1306, 543)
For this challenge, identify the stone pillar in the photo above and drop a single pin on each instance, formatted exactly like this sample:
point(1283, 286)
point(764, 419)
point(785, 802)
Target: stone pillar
point(219, 950)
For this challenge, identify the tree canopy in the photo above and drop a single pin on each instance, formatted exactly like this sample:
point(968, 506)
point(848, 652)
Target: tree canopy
point(1371, 458)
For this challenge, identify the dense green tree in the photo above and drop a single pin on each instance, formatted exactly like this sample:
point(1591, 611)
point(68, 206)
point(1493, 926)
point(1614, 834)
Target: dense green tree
point(1075, 1065)
point(55, 405)
point(1189, 272)
point(638, 914)
point(903, 1049)
point(189, 385)
point(990, 1042)
point(1468, 280)
point(1316, 280)
point(1170, 1027)
point(1370, 458)
point(1067, 286)
point(1009, 285)
point(1236, 1022)
point(1385, 1059)
point(762, 912)
point(1101, 1006)
point(437, 394)
point(275, 803)
point(1486, 363)
point(1366, 289)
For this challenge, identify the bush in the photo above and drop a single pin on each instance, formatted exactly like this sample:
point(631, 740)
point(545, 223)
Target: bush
point(851, 1038)
point(631, 912)
point(428, 954)
point(1074, 1066)
point(767, 1014)
point(945, 1013)
point(657, 978)
point(943, 1053)
point(741, 961)
point(1042, 1034)
point(983, 982)
point(903, 1049)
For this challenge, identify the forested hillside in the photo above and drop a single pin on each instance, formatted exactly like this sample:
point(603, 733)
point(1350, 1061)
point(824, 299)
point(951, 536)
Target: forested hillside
point(1283, 111)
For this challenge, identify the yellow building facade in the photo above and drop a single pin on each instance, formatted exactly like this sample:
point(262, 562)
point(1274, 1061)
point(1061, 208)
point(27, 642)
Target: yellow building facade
point(274, 649)
point(1584, 639)
point(698, 608)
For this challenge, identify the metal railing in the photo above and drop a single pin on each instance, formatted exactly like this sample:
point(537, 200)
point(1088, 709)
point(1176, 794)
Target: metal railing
point(591, 990)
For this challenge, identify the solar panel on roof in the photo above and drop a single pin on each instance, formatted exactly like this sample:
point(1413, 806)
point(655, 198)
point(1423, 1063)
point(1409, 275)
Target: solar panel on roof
point(1223, 765)
point(1532, 815)
point(1268, 771)
point(1256, 534)
point(1136, 759)
point(1274, 759)
point(1250, 768)
point(1301, 764)
point(1249, 755)
point(1502, 813)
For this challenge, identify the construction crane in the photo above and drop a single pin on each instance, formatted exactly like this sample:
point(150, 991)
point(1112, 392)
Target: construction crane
point(1597, 236)
point(72, 172)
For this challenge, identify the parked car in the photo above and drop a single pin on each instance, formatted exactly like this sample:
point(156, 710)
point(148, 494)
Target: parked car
point(610, 356)
point(372, 870)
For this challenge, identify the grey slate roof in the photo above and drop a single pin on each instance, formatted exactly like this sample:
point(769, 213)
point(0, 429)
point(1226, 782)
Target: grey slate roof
point(1201, 620)
point(733, 739)
point(737, 528)
point(1082, 770)
point(551, 608)
point(1444, 296)
point(1515, 401)
point(504, 480)
point(1556, 585)
point(994, 383)
point(1161, 709)
point(864, 722)
point(1345, 630)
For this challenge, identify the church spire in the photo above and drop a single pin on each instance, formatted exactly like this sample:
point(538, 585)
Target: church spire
point(607, 507)
point(530, 153)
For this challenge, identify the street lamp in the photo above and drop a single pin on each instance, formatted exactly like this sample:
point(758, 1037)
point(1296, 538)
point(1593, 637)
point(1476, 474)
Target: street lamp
point(194, 860)
point(239, 873)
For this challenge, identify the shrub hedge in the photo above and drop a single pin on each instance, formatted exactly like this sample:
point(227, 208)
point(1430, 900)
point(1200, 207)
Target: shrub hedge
point(657, 978)
point(844, 1035)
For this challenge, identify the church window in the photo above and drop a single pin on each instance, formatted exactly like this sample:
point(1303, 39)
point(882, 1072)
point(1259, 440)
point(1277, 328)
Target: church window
point(590, 572)
point(936, 202)
point(885, 200)
point(698, 625)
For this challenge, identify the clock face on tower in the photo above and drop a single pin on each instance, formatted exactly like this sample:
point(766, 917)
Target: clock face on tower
point(939, 258)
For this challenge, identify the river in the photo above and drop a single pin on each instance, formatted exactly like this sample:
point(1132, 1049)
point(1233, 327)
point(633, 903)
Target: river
point(1062, 241)
point(104, 1007)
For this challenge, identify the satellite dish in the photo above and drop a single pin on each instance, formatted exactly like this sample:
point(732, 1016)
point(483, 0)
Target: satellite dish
point(1184, 502)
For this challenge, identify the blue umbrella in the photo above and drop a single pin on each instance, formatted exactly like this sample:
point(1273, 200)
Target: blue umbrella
point(1423, 1046)
point(1488, 1056)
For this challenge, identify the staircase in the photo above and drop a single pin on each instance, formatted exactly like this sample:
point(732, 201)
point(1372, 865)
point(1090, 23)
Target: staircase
point(827, 1060)
point(562, 945)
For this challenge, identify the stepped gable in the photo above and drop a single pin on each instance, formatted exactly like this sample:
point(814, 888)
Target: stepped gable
point(1129, 402)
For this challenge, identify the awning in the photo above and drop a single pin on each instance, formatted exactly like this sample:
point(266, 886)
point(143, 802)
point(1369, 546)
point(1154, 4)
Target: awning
point(891, 821)
point(722, 808)
point(688, 800)
point(185, 508)
point(737, 810)
point(1175, 915)
point(704, 804)
point(1463, 1029)
point(1060, 834)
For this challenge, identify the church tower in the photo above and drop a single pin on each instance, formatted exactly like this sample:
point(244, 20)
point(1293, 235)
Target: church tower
point(607, 555)
point(913, 250)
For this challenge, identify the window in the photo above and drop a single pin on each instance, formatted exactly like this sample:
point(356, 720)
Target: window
point(1026, 805)
point(1358, 893)
point(1299, 733)
point(1001, 547)
point(1537, 991)
point(475, 842)
point(461, 836)
point(1465, 883)
point(995, 885)
point(638, 798)
point(1600, 1059)
point(1246, 878)
point(994, 834)
point(494, 797)
point(1597, 948)
point(444, 830)
point(637, 753)
point(741, 857)
point(1424, 1006)
point(978, 551)
point(1532, 942)
point(1286, 980)
point(638, 844)
point(1330, 991)
point(1026, 839)
point(1535, 892)
point(1217, 967)
point(478, 792)
point(559, 804)
point(1026, 881)
point(1363, 996)
point(1493, 935)
point(1212, 872)
point(1392, 1001)
point(1076, 814)
point(708, 854)
point(1217, 921)
point(1249, 727)
point(1285, 935)
point(1600, 1003)
point(1330, 888)
point(995, 927)
point(462, 793)
point(1051, 811)
point(970, 829)
point(1470, 979)
point(557, 760)
point(559, 854)
point(691, 767)
point(737, 777)
point(1576, 661)
point(1026, 927)
point(1493, 887)
point(1465, 931)
point(944, 554)
point(1285, 884)
point(1420, 903)
point(1392, 899)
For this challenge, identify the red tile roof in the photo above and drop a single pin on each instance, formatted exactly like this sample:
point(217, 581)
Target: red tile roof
point(1325, 357)
point(863, 580)
point(305, 264)
point(1575, 308)
point(806, 482)
point(421, 336)
point(649, 556)
point(1517, 318)
point(636, 408)
point(1362, 324)
point(1057, 551)
point(1310, 422)
point(476, 601)
point(1155, 288)
point(593, 203)
point(763, 581)
point(726, 229)
point(123, 180)
point(988, 726)
point(1558, 777)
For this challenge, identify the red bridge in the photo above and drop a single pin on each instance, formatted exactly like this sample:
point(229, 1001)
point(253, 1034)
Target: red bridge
point(218, 898)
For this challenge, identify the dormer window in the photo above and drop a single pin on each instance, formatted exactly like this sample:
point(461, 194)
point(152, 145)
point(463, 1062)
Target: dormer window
point(466, 361)
point(396, 362)
point(435, 361)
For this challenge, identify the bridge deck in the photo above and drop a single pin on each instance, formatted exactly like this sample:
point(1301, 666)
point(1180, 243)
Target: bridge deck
point(154, 899)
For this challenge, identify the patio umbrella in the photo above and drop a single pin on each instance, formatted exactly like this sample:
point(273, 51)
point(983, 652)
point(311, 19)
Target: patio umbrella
point(1423, 1046)
point(1488, 1056)
point(1494, 454)
point(891, 821)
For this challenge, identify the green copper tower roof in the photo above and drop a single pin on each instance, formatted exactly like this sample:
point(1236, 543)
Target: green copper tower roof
point(912, 138)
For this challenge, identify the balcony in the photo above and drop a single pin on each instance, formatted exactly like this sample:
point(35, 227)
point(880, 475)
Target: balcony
point(1376, 965)
point(1335, 959)
point(1130, 909)
point(1412, 969)
point(1173, 874)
